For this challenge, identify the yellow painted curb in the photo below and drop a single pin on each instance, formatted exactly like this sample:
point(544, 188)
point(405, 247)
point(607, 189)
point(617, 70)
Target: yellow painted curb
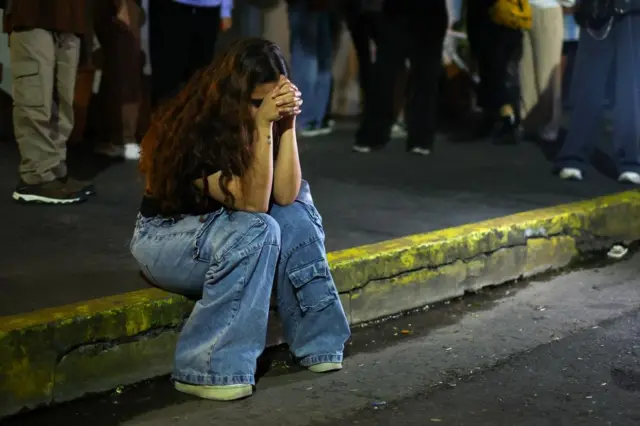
point(60, 353)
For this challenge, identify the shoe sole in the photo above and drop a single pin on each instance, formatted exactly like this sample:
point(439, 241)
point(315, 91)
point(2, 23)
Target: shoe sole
point(39, 199)
point(628, 181)
point(216, 393)
point(325, 367)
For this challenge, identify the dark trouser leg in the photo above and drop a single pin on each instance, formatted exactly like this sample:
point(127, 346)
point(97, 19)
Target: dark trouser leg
point(121, 83)
point(205, 28)
point(592, 66)
point(422, 102)
point(498, 53)
point(360, 30)
point(378, 115)
point(169, 38)
point(626, 113)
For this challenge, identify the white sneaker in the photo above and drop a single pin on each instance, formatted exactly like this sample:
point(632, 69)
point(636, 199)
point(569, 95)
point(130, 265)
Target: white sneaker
point(570, 173)
point(325, 367)
point(216, 393)
point(629, 177)
point(131, 151)
point(398, 131)
point(128, 151)
point(420, 151)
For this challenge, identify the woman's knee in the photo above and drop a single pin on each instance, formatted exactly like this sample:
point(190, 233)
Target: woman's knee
point(270, 228)
point(298, 222)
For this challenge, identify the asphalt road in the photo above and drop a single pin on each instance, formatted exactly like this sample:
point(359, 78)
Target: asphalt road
point(56, 255)
point(559, 351)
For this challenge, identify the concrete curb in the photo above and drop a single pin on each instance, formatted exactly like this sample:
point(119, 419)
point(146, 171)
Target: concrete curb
point(61, 353)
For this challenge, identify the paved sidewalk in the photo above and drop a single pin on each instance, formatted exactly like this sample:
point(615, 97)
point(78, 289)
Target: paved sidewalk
point(58, 255)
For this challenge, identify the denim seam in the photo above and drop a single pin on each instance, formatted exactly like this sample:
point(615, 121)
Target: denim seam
point(211, 379)
point(211, 218)
point(237, 300)
point(237, 309)
point(219, 258)
point(254, 249)
point(285, 257)
point(310, 360)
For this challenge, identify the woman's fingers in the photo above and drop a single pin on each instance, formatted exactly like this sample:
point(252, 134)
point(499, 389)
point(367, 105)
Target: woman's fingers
point(288, 99)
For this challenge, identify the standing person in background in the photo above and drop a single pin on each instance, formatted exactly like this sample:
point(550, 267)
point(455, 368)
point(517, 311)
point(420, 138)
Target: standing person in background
point(311, 60)
point(328, 123)
point(497, 50)
point(364, 21)
point(413, 30)
point(182, 39)
point(613, 48)
point(541, 71)
point(44, 42)
point(117, 25)
point(569, 49)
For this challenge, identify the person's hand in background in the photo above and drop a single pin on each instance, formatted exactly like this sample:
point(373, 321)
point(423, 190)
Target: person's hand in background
point(226, 24)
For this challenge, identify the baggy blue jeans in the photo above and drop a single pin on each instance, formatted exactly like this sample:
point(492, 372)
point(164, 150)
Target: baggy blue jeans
point(311, 60)
point(618, 53)
point(232, 260)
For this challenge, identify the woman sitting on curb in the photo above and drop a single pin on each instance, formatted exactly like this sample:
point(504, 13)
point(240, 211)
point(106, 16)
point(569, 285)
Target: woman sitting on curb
point(226, 216)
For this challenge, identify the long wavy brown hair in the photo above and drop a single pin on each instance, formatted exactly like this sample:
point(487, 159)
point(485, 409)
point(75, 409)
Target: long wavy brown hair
point(208, 125)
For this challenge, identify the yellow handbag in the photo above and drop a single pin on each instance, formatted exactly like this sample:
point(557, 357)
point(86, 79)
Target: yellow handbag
point(514, 14)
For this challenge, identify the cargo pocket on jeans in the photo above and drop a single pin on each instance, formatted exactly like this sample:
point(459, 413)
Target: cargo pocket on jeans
point(27, 84)
point(313, 286)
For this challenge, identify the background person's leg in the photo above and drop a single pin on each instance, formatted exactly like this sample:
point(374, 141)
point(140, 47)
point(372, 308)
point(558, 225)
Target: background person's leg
point(358, 27)
point(67, 57)
point(425, 72)
point(378, 117)
point(33, 63)
point(304, 27)
point(541, 84)
point(169, 38)
point(592, 67)
point(323, 84)
point(206, 26)
point(626, 113)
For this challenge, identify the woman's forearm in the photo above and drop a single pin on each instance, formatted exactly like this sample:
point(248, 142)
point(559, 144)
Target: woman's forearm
point(287, 171)
point(258, 179)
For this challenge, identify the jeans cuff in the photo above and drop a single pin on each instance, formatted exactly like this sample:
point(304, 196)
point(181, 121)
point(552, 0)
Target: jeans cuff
point(319, 359)
point(214, 380)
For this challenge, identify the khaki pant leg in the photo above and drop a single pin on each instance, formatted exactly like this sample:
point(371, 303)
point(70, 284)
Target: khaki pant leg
point(33, 65)
point(548, 40)
point(540, 69)
point(528, 87)
point(67, 57)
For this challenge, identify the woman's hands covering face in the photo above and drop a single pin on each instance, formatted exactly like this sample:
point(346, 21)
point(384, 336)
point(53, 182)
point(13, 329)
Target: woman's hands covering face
point(284, 101)
point(288, 98)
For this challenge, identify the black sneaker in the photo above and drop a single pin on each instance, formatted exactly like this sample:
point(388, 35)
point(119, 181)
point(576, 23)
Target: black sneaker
point(85, 187)
point(507, 131)
point(54, 192)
